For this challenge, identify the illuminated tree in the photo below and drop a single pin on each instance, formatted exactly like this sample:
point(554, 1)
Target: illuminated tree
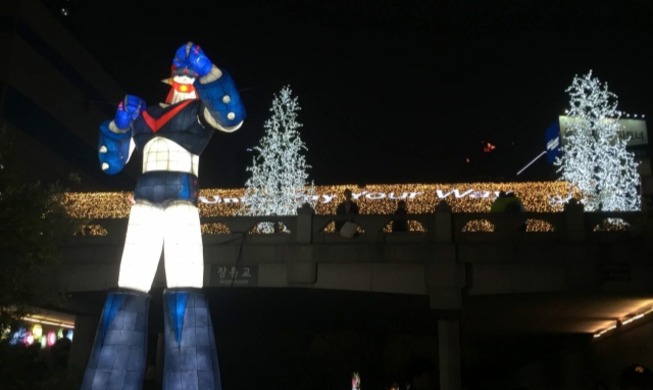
point(279, 182)
point(594, 157)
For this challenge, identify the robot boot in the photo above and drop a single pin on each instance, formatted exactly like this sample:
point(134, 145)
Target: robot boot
point(190, 356)
point(119, 352)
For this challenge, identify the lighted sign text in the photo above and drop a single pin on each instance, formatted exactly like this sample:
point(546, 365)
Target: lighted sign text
point(229, 276)
point(372, 195)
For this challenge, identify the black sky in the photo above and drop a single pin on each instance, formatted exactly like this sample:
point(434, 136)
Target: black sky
point(390, 91)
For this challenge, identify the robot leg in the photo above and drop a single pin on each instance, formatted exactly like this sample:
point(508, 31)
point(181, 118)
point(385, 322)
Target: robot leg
point(190, 356)
point(119, 353)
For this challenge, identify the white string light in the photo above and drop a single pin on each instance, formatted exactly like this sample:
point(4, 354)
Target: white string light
point(594, 158)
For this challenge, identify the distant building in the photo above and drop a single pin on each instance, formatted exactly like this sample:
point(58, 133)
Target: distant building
point(53, 95)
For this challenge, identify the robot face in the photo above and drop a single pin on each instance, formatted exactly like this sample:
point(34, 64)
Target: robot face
point(182, 89)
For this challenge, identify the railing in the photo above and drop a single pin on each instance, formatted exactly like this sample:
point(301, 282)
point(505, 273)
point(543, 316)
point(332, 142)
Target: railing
point(432, 256)
point(440, 226)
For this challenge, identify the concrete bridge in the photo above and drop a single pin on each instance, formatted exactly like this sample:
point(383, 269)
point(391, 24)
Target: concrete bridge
point(567, 274)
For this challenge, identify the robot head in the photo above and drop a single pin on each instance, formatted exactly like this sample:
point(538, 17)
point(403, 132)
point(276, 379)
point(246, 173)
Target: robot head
point(181, 88)
point(189, 63)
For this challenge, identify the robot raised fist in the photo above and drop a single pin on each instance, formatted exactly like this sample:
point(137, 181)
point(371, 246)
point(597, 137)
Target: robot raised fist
point(191, 61)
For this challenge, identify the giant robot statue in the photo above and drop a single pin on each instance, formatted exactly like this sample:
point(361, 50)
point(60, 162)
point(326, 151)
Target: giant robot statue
point(164, 217)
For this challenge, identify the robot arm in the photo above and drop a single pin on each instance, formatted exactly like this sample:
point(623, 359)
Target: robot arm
point(115, 143)
point(224, 109)
point(114, 149)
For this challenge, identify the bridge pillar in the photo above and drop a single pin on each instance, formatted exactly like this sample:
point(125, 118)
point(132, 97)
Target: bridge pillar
point(448, 300)
point(574, 220)
point(83, 338)
point(449, 354)
point(443, 222)
point(304, 228)
point(445, 280)
point(302, 268)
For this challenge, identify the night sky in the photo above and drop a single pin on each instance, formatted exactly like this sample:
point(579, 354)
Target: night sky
point(391, 91)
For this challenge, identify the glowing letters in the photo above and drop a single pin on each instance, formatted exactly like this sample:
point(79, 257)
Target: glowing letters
point(328, 198)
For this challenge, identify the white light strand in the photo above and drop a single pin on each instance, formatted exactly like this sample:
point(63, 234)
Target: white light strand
point(629, 318)
point(594, 157)
point(279, 182)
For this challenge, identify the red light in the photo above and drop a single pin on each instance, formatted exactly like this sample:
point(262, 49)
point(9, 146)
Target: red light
point(52, 338)
point(488, 147)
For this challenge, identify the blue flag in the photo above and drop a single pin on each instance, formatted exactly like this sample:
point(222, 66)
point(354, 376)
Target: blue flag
point(552, 138)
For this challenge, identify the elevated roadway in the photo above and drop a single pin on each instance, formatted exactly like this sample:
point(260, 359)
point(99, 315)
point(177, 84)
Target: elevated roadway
point(483, 283)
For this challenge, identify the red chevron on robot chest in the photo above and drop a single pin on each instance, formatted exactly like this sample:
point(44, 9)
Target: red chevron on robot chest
point(155, 124)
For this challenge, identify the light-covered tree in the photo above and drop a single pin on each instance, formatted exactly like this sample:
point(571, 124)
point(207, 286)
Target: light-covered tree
point(279, 173)
point(594, 156)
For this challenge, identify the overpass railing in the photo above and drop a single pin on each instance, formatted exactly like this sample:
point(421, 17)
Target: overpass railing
point(441, 226)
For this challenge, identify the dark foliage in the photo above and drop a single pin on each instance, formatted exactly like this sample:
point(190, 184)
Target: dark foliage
point(33, 224)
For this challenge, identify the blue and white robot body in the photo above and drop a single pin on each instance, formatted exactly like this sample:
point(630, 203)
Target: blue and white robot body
point(164, 219)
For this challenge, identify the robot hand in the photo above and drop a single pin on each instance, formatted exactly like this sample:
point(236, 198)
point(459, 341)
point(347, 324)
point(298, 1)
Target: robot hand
point(192, 57)
point(128, 110)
